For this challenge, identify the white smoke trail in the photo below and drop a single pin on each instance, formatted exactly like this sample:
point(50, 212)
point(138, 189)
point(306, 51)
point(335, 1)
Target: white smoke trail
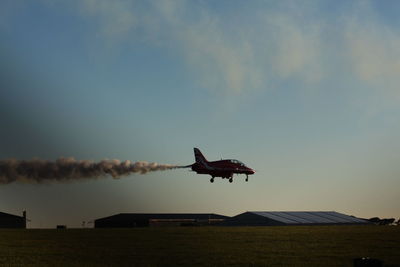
point(69, 169)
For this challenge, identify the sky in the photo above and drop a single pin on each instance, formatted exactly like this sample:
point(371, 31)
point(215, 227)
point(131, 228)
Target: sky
point(306, 93)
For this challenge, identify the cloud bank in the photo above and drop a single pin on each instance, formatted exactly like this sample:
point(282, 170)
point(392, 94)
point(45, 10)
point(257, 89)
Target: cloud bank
point(240, 48)
point(280, 42)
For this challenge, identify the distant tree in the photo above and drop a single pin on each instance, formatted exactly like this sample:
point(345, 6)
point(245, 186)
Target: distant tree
point(387, 221)
point(375, 220)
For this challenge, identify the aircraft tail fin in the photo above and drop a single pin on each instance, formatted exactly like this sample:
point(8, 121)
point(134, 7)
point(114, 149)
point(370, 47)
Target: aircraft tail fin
point(198, 156)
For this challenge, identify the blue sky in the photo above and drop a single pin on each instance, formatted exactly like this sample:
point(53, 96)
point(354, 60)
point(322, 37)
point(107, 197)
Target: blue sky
point(305, 93)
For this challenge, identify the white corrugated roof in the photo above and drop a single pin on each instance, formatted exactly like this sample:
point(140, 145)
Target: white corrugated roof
point(308, 217)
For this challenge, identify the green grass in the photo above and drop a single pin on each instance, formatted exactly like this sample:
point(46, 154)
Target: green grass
point(206, 246)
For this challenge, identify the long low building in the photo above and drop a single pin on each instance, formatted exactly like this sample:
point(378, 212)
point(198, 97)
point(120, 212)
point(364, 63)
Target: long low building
point(12, 221)
point(126, 220)
point(280, 218)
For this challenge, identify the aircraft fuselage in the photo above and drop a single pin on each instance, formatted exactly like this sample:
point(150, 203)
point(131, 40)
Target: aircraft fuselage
point(221, 168)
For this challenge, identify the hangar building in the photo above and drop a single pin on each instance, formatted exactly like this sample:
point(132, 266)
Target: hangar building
point(277, 218)
point(124, 220)
point(12, 221)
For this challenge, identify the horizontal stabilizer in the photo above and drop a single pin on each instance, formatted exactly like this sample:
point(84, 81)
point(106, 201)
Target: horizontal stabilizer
point(182, 167)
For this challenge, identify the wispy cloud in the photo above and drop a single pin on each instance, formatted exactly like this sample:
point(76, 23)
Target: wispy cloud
point(297, 48)
point(115, 18)
point(221, 61)
point(373, 50)
point(224, 58)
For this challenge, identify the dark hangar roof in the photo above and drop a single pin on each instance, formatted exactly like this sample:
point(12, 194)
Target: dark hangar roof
point(148, 216)
point(6, 215)
point(308, 217)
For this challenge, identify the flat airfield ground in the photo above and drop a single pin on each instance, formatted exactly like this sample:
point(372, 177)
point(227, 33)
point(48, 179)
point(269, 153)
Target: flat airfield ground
point(200, 246)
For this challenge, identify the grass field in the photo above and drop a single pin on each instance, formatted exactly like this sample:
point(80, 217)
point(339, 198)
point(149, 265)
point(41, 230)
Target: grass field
point(206, 246)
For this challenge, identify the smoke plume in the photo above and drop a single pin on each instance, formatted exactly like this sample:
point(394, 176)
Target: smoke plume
point(69, 169)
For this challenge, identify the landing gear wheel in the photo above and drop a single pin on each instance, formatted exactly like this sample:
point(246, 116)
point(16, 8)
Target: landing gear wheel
point(231, 180)
point(247, 179)
point(212, 180)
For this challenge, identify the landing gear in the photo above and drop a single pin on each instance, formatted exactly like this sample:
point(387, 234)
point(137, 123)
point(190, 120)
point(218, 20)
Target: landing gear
point(247, 178)
point(231, 180)
point(212, 180)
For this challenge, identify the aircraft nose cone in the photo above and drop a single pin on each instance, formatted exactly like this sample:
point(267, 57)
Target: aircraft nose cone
point(251, 171)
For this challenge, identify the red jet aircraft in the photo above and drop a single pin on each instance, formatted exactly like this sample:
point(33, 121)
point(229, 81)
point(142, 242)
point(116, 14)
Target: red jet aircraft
point(221, 168)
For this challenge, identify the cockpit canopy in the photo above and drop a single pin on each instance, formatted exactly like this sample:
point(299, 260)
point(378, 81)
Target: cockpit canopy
point(237, 162)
